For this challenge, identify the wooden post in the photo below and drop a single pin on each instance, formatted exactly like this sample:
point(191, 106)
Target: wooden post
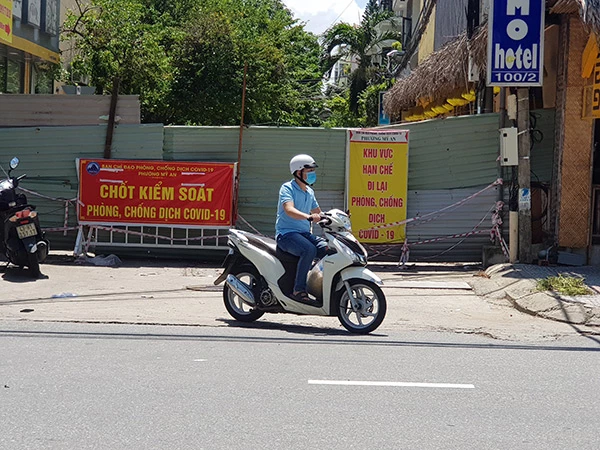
point(239, 158)
point(111, 118)
point(524, 172)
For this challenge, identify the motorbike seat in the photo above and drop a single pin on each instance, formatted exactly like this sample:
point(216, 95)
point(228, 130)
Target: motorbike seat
point(270, 246)
point(286, 257)
point(262, 242)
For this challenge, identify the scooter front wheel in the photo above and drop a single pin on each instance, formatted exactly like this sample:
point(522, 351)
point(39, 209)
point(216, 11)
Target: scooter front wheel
point(365, 311)
point(233, 303)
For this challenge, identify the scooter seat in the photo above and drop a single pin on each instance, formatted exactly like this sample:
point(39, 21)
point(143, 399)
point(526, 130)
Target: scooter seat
point(264, 243)
point(270, 246)
point(285, 257)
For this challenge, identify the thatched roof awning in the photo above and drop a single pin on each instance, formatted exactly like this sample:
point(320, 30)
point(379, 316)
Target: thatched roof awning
point(440, 75)
point(589, 11)
point(445, 71)
point(565, 7)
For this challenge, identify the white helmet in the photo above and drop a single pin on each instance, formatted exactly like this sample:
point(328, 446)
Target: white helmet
point(300, 162)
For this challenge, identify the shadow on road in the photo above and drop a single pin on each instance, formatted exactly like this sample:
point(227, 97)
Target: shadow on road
point(349, 339)
point(15, 274)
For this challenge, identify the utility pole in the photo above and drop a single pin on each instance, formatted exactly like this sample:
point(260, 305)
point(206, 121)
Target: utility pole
point(524, 176)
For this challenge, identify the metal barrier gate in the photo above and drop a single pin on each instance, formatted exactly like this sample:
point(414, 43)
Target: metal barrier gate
point(154, 236)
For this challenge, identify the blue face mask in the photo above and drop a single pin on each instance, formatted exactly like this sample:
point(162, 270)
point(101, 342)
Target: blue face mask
point(311, 177)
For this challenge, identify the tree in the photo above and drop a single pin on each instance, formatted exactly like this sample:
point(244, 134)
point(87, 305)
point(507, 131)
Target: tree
point(125, 39)
point(185, 58)
point(343, 40)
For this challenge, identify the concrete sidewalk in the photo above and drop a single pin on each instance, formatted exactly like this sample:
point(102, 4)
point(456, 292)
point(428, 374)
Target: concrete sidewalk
point(518, 284)
point(458, 297)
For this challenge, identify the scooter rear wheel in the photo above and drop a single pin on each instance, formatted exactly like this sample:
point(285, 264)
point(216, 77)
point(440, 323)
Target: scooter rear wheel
point(365, 311)
point(233, 303)
point(33, 264)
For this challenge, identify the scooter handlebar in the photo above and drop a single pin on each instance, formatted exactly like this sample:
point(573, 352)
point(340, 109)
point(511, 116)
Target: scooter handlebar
point(324, 220)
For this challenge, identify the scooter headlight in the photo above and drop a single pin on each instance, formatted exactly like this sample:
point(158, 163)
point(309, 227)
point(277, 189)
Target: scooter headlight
point(346, 222)
point(355, 257)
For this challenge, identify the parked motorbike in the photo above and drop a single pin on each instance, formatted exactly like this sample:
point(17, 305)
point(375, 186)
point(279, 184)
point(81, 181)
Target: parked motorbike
point(21, 238)
point(259, 278)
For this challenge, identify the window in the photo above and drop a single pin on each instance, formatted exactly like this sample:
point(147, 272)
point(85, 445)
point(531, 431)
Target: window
point(2, 74)
point(14, 77)
point(41, 80)
point(11, 76)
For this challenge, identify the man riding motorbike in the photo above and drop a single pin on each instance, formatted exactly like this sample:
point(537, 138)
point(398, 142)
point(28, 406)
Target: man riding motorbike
point(297, 207)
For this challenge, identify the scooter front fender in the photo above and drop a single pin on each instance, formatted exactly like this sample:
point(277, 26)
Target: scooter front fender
point(357, 272)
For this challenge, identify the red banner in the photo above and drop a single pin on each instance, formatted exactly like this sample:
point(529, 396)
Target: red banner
point(155, 192)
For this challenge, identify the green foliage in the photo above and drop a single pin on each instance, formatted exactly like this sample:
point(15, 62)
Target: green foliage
point(357, 43)
point(185, 58)
point(340, 115)
point(566, 285)
point(125, 39)
point(369, 104)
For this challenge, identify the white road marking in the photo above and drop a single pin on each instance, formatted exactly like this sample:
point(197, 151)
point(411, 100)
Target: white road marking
point(392, 383)
point(198, 360)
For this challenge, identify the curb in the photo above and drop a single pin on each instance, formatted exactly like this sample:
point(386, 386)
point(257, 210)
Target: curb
point(554, 307)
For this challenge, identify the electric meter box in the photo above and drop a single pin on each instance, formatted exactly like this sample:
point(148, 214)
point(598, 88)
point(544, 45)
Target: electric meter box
point(509, 148)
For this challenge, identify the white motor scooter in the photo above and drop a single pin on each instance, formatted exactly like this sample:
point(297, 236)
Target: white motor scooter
point(259, 278)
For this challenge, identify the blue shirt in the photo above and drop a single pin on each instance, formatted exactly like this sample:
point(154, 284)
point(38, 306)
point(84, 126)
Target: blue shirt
point(304, 201)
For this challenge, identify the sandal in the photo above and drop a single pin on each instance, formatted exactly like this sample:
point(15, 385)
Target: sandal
point(302, 297)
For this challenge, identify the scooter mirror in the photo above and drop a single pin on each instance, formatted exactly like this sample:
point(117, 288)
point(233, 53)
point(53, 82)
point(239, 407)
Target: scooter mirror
point(14, 163)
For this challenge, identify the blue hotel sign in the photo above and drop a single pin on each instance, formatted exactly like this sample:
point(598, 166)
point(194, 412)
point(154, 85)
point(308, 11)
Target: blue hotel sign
point(516, 43)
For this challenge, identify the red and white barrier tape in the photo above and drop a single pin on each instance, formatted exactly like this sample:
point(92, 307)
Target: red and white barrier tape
point(63, 229)
point(503, 244)
point(37, 194)
point(494, 232)
point(67, 203)
point(421, 219)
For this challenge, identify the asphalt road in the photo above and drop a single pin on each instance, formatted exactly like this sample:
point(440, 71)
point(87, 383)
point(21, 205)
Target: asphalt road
point(99, 386)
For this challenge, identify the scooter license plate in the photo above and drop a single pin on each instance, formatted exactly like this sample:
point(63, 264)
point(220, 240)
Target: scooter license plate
point(26, 230)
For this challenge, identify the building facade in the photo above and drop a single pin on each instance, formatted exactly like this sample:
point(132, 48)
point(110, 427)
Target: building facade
point(29, 45)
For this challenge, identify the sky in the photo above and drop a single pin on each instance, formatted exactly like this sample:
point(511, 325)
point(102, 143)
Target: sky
point(321, 14)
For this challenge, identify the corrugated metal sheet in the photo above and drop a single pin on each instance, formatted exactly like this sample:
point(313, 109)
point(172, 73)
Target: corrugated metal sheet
point(266, 153)
point(65, 110)
point(48, 156)
point(449, 160)
point(459, 220)
point(209, 144)
point(450, 21)
point(453, 153)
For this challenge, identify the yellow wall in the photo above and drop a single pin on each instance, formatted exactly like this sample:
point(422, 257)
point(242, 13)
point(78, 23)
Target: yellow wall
point(426, 45)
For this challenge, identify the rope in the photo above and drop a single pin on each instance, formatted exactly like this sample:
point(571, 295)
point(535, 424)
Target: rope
point(65, 228)
point(250, 226)
point(437, 213)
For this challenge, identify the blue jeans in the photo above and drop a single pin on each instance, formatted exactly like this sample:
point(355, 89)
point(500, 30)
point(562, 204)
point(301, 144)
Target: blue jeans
point(305, 246)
